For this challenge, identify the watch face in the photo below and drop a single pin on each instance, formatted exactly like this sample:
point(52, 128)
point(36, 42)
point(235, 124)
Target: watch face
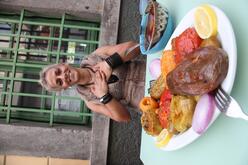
point(106, 98)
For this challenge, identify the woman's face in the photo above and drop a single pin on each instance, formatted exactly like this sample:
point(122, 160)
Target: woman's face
point(62, 76)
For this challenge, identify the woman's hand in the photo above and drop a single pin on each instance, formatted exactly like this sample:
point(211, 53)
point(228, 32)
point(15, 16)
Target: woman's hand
point(104, 67)
point(100, 88)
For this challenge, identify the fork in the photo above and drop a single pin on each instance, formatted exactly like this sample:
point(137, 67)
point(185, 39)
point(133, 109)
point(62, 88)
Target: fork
point(228, 105)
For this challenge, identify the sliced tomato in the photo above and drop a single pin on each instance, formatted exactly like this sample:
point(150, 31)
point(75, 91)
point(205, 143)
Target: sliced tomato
point(186, 43)
point(164, 108)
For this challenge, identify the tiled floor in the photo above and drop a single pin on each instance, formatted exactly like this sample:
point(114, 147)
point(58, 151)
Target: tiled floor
point(26, 160)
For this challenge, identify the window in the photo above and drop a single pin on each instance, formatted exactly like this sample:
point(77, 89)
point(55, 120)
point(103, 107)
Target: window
point(28, 43)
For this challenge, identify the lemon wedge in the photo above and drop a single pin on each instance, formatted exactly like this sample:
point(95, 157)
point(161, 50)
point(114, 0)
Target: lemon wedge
point(205, 21)
point(163, 138)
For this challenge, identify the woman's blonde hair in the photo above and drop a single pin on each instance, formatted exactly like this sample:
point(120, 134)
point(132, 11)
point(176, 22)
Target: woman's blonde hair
point(43, 80)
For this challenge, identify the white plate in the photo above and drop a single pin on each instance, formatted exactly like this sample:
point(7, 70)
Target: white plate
point(228, 42)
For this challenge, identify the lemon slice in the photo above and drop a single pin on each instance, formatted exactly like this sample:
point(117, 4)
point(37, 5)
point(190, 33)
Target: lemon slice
point(163, 138)
point(205, 21)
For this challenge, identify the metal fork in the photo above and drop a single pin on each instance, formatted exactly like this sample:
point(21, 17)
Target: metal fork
point(228, 105)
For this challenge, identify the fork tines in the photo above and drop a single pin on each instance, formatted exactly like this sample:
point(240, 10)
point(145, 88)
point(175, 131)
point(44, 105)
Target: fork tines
point(222, 100)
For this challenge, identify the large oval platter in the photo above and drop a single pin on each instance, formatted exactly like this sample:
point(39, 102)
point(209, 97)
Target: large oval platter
point(228, 42)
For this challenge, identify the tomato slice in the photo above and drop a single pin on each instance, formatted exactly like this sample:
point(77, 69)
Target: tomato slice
point(186, 43)
point(164, 108)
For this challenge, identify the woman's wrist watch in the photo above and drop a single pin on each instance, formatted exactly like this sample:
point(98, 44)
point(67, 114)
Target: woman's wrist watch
point(106, 98)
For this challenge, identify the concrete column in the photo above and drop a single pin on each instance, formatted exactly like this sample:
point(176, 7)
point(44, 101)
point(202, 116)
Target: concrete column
point(100, 124)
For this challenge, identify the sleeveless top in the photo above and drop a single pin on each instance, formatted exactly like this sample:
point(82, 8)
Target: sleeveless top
point(129, 89)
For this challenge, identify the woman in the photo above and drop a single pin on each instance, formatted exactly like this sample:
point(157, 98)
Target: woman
point(105, 79)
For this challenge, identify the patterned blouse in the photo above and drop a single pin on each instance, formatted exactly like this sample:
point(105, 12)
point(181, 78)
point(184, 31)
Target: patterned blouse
point(129, 89)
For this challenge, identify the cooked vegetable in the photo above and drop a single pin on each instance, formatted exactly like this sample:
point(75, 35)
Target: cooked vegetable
point(150, 122)
point(203, 113)
point(148, 103)
point(155, 68)
point(158, 87)
point(186, 43)
point(212, 41)
point(182, 109)
point(167, 62)
point(164, 108)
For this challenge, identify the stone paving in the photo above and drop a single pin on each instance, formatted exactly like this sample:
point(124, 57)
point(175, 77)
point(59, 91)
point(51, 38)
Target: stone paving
point(125, 139)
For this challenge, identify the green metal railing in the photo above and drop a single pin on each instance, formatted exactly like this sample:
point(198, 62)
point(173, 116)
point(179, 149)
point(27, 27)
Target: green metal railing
point(27, 44)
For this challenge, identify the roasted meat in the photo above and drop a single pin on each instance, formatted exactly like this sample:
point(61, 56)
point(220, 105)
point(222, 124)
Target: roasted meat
point(200, 72)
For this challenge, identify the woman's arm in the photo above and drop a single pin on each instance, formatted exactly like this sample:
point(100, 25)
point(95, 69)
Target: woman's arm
point(113, 109)
point(123, 49)
point(127, 52)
